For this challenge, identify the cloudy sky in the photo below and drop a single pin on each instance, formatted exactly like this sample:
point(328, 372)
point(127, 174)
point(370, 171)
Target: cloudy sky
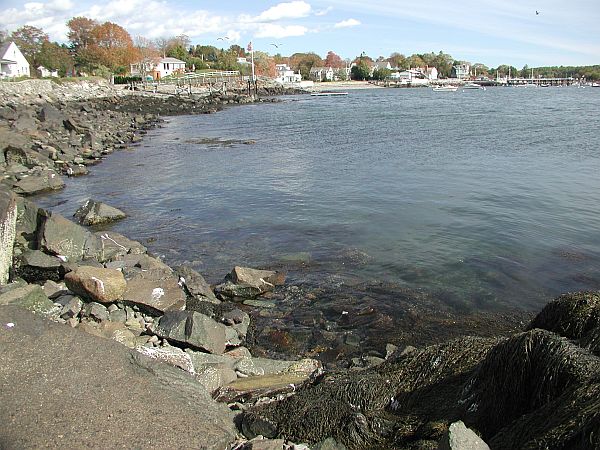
point(492, 32)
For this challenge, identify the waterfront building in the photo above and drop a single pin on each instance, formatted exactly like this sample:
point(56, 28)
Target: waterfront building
point(12, 62)
point(461, 71)
point(285, 74)
point(321, 74)
point(47, 73)
point(158, 68)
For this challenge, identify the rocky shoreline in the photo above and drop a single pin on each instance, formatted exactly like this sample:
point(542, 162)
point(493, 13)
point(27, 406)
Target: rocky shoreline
point(109, 286)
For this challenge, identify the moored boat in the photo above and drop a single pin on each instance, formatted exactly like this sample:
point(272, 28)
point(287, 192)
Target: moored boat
point(474, 86)
point(327, 93)
point(448, 88)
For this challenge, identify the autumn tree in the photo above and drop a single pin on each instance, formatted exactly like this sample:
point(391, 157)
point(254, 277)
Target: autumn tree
point(80, 32)
point(113, 47)
point(264, 65)
point(29, 40)
point(303, 62)
point(398, 60)
point(333, 60)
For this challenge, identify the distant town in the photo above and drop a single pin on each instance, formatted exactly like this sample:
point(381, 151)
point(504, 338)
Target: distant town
point(106, 49)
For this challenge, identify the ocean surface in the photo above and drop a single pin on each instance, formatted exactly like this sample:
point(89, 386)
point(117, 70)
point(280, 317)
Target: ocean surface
point(487, 199)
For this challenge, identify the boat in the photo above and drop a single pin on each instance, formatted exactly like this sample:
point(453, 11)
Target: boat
point(448, 88)
point(327, 93)
point(544, 85)
point(595, 84)
point(474, 86)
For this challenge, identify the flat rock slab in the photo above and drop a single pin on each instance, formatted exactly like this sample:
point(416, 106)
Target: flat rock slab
point(47, 180)
point(244, 389)
point(62, 237)
point(156, 291)
point(60, 388)
point(94, 283)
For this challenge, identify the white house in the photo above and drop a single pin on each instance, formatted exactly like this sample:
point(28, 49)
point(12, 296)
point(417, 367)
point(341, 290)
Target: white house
point(159, 67)
point(431, 73)
point(461, 71)
point(12, 61)
point(46, 73)
point(321, 74)
point(285, 74)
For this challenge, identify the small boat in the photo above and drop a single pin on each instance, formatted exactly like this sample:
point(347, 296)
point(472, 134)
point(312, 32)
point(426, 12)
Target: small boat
point(327, 93)
point(595, 84)
point(544, 85)
point(448, 88)
point(474, 86)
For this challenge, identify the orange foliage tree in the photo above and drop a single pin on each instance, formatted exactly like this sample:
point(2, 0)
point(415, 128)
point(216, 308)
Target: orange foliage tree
point(112, 47)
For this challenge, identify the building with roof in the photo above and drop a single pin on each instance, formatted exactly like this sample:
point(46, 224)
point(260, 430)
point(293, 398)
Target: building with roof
point(12, 62)
point(285, 74)
point(158, 68)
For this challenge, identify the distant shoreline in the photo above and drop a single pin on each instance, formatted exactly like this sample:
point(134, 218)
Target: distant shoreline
point(342, 86)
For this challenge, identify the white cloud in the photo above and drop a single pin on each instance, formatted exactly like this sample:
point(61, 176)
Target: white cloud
point(279, 31)
point(290, 10)
point(233, 36)
point(347, 23)
point(323, 12)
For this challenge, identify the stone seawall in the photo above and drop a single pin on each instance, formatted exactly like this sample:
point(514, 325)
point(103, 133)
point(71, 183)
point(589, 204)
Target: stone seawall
point(50, 91)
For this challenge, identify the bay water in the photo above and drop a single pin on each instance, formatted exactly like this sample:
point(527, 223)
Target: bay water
point(489, 199)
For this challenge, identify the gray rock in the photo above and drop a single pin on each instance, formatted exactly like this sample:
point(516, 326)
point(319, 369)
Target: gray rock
point(195, 285)
point(72, 308)
point(62, 237)
point(114, 246)
point(27, 218)
point(459, 437)
point(95, 311)
point(94, 213)
point(117, 315)
point(260, 443)
point(53, 289)
point(193, 329)
point(98, 284)
point(30, 297)
point(155, 291)
point(51, 116)
point(214, 376)
point(61, 357)
point(170, 355)
point(46, 180)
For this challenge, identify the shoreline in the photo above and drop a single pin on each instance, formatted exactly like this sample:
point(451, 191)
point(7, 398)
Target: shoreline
point(86, 130)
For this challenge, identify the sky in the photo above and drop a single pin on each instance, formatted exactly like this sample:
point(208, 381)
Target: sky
point(493, 32)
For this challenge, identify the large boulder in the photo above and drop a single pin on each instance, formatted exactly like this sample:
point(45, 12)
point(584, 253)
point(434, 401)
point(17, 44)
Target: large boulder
point(8, 223)
point(155, 291)
point(64, 238)
point(95, 213)
point(45, 180)
point(192, 329)
point(127, 400)
point(100, 285)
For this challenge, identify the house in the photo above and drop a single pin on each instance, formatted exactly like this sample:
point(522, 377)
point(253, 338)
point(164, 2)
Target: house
point(431, 73)
point(242, 60)
point(321, 74)
point(46, 73)
point(158, 68)
point(12, 61)
point(461, 71)
point(285, 74)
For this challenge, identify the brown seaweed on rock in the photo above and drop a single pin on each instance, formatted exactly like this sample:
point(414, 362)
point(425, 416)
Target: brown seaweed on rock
point(535, 390)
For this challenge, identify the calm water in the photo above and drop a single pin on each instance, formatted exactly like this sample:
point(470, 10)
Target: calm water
point(492, 197)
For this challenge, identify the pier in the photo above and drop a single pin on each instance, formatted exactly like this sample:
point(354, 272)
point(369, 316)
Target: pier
point(540, 81)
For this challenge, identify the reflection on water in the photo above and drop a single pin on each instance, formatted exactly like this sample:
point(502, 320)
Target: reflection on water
point(471, 198)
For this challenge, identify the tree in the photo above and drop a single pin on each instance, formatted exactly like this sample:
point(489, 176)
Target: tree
point(55, 57)
point(333, 60)
point(264, 64)
point(147, 52)
point(361, 71)
point(398, 60)
point(29, 40)
point(80, 32)
point(303, 62)
point(381, 74)
point(112, 47)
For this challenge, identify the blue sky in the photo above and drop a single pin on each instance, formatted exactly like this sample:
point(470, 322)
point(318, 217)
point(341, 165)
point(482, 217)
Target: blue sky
point(492, 32)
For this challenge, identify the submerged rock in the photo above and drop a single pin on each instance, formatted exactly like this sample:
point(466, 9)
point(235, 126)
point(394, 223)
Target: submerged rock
point(244, 282)
point(94, 213)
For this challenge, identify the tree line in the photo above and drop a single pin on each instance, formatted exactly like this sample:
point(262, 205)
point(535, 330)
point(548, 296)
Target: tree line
point(105, 48)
